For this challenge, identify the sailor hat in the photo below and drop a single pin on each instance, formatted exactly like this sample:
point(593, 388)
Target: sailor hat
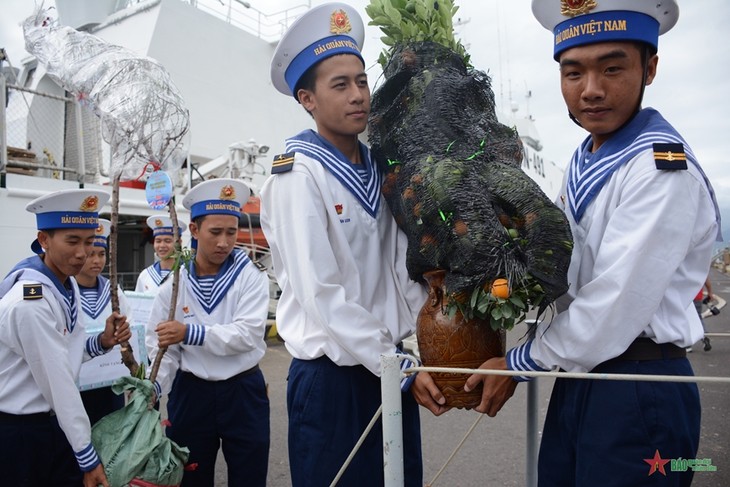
point(66, 209)
point(579, 22)
point(162, 225)
point(322, 32)
point(217, 197)
point(102, 233)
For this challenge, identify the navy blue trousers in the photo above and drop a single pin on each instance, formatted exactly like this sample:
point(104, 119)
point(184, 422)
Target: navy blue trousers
point(329, 408)
point(233, 413)
point(34, 452)
point(598, 433)
point(100, 402)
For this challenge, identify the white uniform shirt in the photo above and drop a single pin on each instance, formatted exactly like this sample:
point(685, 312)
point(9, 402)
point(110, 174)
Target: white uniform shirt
point(40, 358)
point(641, 251)
point(221, 342)
point(345, 290)
point(150, 280)
point(94, 320)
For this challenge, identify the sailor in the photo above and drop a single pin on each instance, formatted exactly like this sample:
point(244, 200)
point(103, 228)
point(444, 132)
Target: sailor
point(96, 306)
point(46, 435)
point(339, 258)
point(214, 343)
point(644, 219)
point(152, 277)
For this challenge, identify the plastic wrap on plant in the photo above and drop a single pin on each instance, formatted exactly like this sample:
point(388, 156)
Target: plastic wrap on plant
point(143, 115)
point(453, 180)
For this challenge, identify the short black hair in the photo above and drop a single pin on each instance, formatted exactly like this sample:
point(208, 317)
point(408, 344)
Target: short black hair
point(199, 220)
point(308, 81)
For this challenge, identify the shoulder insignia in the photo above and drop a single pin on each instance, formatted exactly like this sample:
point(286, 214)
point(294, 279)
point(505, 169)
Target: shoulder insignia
point(259, 265)
point(32, 291)
point(282, 163)
point(670, 157)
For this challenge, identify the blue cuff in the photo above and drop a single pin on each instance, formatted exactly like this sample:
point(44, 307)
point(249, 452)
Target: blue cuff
point(519, 358)
point(94, 347)
point(158, 390)
point(407, 381)
point(194, 335)
point(87, 458)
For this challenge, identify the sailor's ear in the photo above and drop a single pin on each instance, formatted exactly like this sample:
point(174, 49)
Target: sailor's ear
point(306, 99)
point(651, 65)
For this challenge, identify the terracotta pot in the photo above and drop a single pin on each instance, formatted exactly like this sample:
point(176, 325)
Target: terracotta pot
point(454, 342)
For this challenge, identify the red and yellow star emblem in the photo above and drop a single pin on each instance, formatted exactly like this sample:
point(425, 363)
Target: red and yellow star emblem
point(657, 463)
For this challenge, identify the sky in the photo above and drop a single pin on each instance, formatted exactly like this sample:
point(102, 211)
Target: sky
point(691, 90)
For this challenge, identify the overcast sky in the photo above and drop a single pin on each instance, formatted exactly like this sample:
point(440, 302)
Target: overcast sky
point(692, 87)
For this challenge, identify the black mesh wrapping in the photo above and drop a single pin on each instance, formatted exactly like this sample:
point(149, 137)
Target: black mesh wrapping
point(453, 181)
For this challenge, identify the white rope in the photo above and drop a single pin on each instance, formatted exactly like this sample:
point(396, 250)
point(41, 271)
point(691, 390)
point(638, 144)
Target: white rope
point(574, 375)
point(453, 453)
point(357, 446)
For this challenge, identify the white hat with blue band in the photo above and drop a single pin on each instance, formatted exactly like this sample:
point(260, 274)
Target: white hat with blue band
point(580, 22)
point(102, 233)
point(67, 209)
point(217, 197)
point(322, 32)
point(162, 225)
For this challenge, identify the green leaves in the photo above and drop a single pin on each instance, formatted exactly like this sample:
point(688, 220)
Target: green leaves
point(500, 313)
point(182, 256)
point(404, 21)
point(141, 371)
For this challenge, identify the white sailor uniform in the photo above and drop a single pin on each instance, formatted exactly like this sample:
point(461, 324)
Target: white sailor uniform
point(43, 346)
point(346, 298)
point(151, 278)
point(340, 263)
point(217, 393)
point(96, 307)
point(226, 321)
point(644, 218)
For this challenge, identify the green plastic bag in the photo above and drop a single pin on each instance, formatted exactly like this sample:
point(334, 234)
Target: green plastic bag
point(131, 444)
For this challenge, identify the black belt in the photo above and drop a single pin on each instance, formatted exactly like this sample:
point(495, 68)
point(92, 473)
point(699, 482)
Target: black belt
point(648, 349)
point(8, 418)
point(250, 371)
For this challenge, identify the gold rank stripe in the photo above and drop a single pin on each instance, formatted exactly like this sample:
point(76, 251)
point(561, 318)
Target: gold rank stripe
point(670, 156)
point(281, 162)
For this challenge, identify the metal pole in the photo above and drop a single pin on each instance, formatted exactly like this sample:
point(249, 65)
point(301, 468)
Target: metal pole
point(392, 421)
point(80, 144)
point(3, 128)
point(531, 435)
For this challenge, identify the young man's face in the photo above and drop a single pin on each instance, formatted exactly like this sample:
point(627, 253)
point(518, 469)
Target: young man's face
point(95, 262)
point(164, 245)
point(66, 250)
point(216, 237)
point(601, 85)
point(340, 102)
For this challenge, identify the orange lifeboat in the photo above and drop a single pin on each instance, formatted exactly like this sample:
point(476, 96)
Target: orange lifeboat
point(250, 234)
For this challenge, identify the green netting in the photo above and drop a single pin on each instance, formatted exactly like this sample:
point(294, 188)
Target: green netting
point(453, 180)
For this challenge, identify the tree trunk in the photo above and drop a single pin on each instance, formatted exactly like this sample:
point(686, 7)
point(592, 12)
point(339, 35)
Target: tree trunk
point(175, 283)
point(127, 353)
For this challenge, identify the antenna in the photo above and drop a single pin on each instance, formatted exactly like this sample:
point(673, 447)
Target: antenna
point(499, 56)
point(459, 22)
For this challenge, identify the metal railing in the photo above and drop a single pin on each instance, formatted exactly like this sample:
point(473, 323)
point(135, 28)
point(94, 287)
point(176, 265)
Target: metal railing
point(269, 26)
point(392, 410)
point(53, 133)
